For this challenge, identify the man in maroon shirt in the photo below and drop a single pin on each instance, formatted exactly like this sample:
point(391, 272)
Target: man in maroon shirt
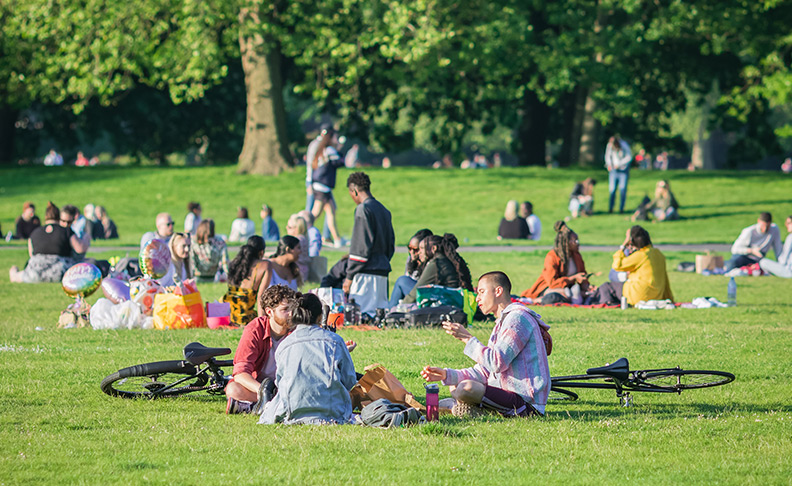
point(254, 361)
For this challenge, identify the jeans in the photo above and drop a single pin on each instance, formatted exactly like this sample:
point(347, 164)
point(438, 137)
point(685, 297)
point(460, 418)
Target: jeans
point(775, 268)
point(401, 288)
point(610, 293)
point(737, 261)
point(617, 179)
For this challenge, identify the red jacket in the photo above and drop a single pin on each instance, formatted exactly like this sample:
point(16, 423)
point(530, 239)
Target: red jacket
point(254, 348)
point(553, 275)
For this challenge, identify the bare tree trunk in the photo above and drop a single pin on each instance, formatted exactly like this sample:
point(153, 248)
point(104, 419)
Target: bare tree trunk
point(573, 122)
point(266, 147)
point(588, 133)
point(532, 132)
point(8, 117)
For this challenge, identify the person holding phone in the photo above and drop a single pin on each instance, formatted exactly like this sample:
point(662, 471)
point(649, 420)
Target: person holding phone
point(564, 278)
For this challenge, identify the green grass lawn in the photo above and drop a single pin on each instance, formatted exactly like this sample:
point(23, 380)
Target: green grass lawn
point(715, 205)
point(57, 427)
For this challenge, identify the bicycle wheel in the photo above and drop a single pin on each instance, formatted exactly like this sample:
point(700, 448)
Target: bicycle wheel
point(559, 394)
point(685, 379)
point(153, 380)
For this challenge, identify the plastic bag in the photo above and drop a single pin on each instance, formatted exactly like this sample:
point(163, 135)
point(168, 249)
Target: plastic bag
point(173, 311)
point(126, 315)
point(142, 291)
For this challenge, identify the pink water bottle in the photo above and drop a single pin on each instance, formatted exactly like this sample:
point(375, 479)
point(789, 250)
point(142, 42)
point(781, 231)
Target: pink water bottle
point(432, 402)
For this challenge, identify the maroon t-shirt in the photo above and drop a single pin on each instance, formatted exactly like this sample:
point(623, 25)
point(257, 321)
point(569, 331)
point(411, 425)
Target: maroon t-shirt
point(254, 347)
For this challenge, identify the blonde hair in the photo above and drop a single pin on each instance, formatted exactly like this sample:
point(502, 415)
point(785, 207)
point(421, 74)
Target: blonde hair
point(179, 263)
point(298, 223)
point(511, 210)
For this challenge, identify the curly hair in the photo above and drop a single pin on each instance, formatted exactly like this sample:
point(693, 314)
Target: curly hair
point(359, 180)
point(273, 296)
point(242, 265)
point(448, 246)
point(563, 235)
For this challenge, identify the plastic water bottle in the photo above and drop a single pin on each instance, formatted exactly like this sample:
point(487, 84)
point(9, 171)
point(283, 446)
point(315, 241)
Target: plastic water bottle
point(432, 402)
point(732, 292)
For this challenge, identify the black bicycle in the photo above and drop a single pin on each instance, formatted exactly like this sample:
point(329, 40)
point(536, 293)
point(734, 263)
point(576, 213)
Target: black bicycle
point(618, 376)
point(198, 371)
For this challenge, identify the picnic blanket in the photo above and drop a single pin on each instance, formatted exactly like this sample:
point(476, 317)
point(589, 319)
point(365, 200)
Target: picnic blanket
point(529, 301)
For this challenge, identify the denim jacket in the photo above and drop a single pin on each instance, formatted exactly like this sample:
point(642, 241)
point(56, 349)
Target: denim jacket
point(314, 375)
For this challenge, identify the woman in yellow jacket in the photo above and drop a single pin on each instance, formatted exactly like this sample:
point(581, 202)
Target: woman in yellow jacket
point(646, 265)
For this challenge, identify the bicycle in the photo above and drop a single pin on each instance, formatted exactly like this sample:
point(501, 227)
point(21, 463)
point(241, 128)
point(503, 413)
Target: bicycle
point(618, 376)
point(198, 371)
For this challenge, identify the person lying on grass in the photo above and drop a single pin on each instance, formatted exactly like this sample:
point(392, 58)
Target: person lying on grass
point(511, 375)
point(314, 371)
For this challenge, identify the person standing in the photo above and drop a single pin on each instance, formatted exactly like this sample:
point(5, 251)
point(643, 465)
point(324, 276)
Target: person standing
point(511, 375)
point(783, 267)
point(371, 248)
point(617, 160)
point(755, 242)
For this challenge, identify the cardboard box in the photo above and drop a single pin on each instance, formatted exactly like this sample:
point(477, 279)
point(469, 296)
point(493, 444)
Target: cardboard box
point(708, 262)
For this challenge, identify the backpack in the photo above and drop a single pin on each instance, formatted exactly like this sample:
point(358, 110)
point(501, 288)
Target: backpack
point(386, 414)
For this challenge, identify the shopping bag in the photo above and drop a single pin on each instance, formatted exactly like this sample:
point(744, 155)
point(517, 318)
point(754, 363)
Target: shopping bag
point(173, 311)
point(377, 382)
point(709, 261)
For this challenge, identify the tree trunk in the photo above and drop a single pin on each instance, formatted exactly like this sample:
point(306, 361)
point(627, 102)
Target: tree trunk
point(8, 118)
point(573, 122)
point(532, 132)
point(588, 133)
point(266, 147)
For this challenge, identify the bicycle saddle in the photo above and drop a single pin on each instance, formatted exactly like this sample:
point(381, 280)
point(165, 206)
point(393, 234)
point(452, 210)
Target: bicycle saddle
point(197, 353)
point(619, 369)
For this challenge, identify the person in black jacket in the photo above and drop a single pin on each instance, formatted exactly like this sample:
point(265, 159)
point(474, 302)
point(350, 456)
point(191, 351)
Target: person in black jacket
point(371, 248)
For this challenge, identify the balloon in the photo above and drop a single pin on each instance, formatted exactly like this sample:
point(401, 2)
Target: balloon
point(155, 259)
point(115, 290)
point(81, 280)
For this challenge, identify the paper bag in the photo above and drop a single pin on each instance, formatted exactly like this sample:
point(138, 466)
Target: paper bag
point(708, 262)
point(173, 311)
point(377, 382)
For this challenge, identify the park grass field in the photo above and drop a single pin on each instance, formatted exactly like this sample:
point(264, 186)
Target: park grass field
point(57, 427)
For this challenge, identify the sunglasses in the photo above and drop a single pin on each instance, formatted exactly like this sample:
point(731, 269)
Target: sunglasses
point(411, 249)
point(169, 223)
point(67, 221)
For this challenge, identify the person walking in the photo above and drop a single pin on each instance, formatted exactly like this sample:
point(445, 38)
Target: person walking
point(617, 160)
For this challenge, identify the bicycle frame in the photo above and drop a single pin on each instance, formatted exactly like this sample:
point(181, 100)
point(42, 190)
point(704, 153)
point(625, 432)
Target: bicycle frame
point(634, 382)
point(212, 368)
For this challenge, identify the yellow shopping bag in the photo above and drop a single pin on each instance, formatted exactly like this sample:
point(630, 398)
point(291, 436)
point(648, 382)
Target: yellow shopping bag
point(173, 311)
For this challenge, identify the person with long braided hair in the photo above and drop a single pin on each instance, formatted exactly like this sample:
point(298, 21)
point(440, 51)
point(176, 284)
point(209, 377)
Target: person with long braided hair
point(563, 278)
point(442, 265)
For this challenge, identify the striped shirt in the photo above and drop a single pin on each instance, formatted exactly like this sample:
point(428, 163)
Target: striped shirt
point(514, 359)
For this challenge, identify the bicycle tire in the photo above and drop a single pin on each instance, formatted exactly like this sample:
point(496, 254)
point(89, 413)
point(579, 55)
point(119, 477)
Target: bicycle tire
point(152, 380)
point(559, 395)
point(679, 380)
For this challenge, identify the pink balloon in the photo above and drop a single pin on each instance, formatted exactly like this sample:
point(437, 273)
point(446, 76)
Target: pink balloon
point(155, 259)
point(81, 279)
point(116, 290)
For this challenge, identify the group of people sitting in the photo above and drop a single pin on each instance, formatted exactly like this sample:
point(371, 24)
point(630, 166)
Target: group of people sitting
point(59, 243)
point(662, 207)
point(242, 227)
point(755, 242)
point(519, 222)
point(288, 368)
point(564, 278)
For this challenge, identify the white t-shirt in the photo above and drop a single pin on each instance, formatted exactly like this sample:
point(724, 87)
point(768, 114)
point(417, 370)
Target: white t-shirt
point(535, 226)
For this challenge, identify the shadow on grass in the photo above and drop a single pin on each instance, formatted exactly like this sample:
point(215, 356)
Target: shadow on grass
point(599, 410)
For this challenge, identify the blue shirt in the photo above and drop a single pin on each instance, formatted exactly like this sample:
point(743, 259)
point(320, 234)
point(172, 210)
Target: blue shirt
point(269, 229)
point(314, 373)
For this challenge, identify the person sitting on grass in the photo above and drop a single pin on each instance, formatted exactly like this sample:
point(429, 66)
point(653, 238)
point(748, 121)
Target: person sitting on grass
point(412, 268)
point(512, 226)
point(164, 224)
point(511, 375)
point(783, 267)
point(563, 278)
point(581, 201)
point(313, 371)
point(664, 206)
point(647, 279)
point(755, 242)
point(442, 265)
point(245, 281)
point(253, 376)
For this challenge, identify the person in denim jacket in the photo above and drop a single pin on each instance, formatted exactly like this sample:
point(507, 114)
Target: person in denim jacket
point(314, 372)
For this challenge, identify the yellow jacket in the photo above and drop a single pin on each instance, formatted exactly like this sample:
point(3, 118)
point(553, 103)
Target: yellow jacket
point(648, 279)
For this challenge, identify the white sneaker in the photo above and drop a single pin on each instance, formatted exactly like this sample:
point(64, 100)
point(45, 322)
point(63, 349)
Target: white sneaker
point(340, 243)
